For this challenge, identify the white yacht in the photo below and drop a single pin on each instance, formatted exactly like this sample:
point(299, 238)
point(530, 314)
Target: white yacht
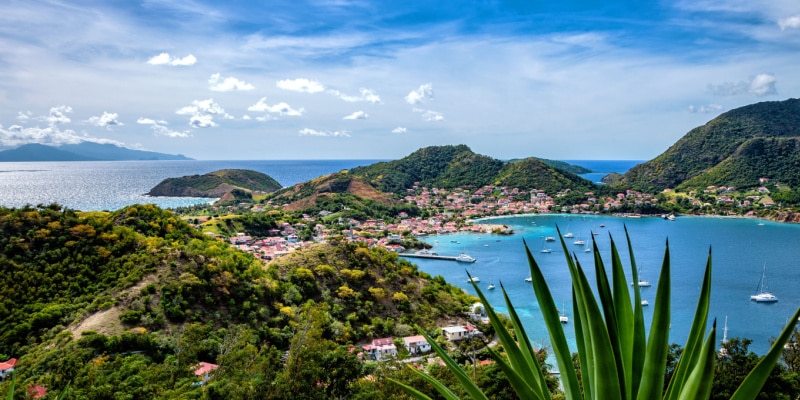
point(464, 257)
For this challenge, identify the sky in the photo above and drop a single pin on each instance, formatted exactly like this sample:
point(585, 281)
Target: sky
point(351, 79)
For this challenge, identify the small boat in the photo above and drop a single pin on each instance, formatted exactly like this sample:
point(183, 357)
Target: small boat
point(562, 317)
point(579, 242)
point(549, 239)
point(464, 257)
point(426, 252)
point(671, 217)
point(645, 303)
point(546, 250)
point(529, 279)
point(602, 225)
point(568, 235)
point(474, 279)
point(763, 295)
point(490, 287)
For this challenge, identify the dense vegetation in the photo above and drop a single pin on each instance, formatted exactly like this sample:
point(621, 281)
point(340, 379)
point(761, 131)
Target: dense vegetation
point(451, 167)
point(724, 137)
point(128, 302)
point(215, 184)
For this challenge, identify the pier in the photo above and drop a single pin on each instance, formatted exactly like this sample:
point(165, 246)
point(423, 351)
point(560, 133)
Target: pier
point(460, 258)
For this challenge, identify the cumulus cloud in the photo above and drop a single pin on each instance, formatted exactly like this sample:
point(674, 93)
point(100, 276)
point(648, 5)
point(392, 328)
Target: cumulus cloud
point(367, 95)
point(421, 95)
point(759, 85)
point(281, 108)
point(166, 59)
point(220, 84)
point(24, 116)
point(106, 120)
point(58, 115)
point(314, 132)
point(705, 109)
point(17, 135)
point(399, 129)
point(203, 112)
point(357, 115)
point(791, 22)
point(301, 85)
point(429, 115)
point(160, 128)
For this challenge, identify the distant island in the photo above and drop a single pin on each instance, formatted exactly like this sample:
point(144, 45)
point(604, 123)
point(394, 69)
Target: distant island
point(227, 184)
point(84, 151)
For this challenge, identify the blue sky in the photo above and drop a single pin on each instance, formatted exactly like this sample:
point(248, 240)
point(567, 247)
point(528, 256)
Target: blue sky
point(348, 79)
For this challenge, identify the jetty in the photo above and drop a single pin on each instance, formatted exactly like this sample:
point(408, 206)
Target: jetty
point(433, 256)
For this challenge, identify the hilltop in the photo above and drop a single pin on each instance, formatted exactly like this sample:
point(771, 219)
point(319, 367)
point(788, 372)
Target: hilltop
point(734, 149)
point(236, 182)
point(451, 167)
point(84, 151)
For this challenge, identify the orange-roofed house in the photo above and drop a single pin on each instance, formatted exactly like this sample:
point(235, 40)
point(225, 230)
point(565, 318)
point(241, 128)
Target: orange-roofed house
point(203, 369)
point(7, 367)
point(37, 391)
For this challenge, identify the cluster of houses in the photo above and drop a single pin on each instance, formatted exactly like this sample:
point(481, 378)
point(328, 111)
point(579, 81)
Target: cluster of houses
point(385, 348)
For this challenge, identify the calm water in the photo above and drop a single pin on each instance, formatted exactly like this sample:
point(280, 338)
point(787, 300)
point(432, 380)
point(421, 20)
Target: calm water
point(601, 168)
point(111, 185)
point(740, 248)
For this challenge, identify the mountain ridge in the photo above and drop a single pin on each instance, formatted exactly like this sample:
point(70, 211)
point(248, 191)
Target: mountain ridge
point(84, 151)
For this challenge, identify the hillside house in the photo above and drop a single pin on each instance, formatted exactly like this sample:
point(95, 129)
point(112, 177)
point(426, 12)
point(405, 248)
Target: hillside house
point(203, 370)
point(416, 344)
point(7, 367)
point(381, 349)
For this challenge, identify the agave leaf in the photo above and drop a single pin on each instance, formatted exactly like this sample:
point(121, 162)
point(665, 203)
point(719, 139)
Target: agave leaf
point(607, 300)
point(556, 331)
point(522, 388)
point(655, 362)
point(639, 342)
point(701, 377)
point(439, 386)
point(520, 356)
point(63, 392)
point(11, 389)
point(624, 320)
point(692, 351)
point(463, 379)
point(755, 380)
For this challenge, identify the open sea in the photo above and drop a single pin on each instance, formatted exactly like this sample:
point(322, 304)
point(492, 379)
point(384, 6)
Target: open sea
point(741, 247)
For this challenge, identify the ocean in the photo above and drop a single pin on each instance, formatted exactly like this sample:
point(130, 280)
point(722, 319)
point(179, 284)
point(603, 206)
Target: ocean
point(741, 247)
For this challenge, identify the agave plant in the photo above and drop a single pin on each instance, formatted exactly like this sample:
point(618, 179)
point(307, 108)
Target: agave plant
point(618, 358)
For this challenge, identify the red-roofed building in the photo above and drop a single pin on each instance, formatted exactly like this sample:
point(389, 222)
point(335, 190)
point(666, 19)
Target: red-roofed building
point(381, 348)
point(203, 369)
point(37, 391)
point(7, 367)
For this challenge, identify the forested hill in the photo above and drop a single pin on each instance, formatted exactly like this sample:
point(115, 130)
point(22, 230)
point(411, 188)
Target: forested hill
point(129, 301)
point(734, 149)
point(216, 184)
point(457, 166)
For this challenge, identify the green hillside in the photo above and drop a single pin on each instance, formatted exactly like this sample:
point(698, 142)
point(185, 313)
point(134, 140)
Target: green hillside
point(450, 167)
point(128, 302)
point(215, 184)
point(710, 145)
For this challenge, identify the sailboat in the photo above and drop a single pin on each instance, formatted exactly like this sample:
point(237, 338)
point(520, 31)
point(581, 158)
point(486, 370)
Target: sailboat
point(642, 282)
point(563, 315)
point(545, 249)
point(723, 352)
point(763, 296)
point(491, 286)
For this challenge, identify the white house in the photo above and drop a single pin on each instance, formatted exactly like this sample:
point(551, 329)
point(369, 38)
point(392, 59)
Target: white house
point(416, 344)
point(381, 349)
point(455, 333)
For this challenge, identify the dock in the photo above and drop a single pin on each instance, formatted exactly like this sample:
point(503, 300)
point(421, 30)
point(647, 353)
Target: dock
point(461, 258)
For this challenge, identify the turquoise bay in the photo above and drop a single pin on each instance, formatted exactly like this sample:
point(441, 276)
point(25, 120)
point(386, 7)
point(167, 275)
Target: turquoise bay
point(740, 249)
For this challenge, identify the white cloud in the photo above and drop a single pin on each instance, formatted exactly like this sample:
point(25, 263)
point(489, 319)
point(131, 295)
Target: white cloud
point(367, 95)
point(17, 135)
point(763, 84)
point(399, 129)
point(429, 115)
point(314, 132)
point(357, 115)
point(419, 96)
point(24, 116)
point(760, 85)
point(160, 128)
point(58, 115)
point(202, 113)
point(791, 22)
point(711, 108)
point(281, 108)
point(301, 85)
point(220, 84)
point(106, 120)
point(166, 59)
